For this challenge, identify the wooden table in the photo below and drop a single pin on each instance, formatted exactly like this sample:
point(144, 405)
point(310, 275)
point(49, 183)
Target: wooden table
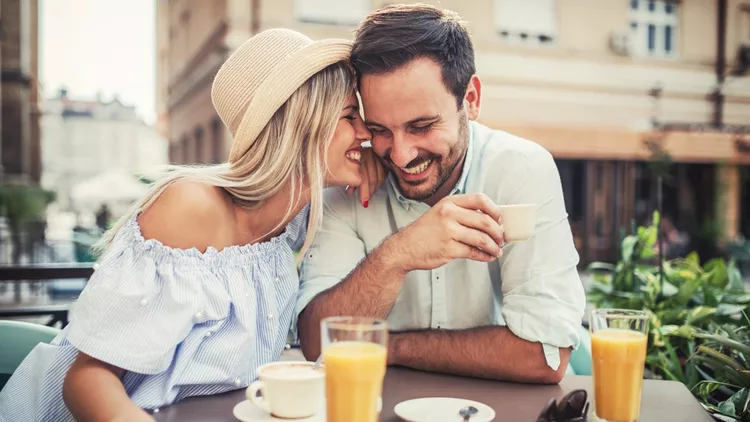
point(663, 401)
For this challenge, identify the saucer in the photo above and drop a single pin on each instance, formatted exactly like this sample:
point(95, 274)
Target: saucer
point(441, 408)
point(246, 411)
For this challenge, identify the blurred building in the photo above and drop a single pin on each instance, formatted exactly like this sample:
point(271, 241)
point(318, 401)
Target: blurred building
point(85, 139)
point(605, 86)
point(19, 93)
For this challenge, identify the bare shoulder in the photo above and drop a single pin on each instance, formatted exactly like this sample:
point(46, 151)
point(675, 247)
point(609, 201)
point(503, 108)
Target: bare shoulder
point(189, 214)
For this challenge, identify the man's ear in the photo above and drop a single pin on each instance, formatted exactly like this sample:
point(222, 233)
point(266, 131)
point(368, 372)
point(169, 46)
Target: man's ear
point(473, 98)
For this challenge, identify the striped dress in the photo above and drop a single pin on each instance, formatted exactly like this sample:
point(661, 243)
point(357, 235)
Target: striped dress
point(180, 323)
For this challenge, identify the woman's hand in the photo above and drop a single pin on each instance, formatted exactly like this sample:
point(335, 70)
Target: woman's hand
point(373, 176)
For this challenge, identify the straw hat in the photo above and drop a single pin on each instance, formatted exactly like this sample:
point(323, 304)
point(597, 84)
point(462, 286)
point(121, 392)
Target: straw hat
point(258, 78)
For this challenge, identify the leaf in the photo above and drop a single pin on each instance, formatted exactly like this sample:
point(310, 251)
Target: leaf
point(709, 296)
point(727, 407)
point(726, 309)
point(699, 313)
point(725, 341)
point(735, 278)
point(716, 270)
point(668, 289)
point(685, 292)
point(741, 400)
point(743, 298)
point(628, 244)
point(685, 331)
point(600, 266)
point(693, 258)
point(720, 357)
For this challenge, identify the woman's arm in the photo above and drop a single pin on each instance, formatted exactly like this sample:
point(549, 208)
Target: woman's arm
point(93, 392)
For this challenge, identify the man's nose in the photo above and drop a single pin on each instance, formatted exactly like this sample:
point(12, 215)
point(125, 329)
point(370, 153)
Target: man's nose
point(403, 151)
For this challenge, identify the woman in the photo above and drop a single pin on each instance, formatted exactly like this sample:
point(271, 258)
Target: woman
point(196, 287)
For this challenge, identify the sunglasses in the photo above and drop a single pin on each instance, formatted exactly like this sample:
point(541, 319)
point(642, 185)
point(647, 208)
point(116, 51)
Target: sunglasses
point(573, 407)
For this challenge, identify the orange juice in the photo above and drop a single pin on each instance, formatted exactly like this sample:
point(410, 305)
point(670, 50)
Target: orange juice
point(619, 357)
point(354, 380)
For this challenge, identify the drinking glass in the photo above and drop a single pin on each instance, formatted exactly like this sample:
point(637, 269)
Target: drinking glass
point(354, 353)
point(618, 346)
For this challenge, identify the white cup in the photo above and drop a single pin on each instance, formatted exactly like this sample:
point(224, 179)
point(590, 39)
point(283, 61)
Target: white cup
point(289, 389)
point(518, 221)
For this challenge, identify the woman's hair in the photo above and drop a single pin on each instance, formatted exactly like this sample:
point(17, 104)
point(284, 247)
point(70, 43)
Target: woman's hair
point(290, 152)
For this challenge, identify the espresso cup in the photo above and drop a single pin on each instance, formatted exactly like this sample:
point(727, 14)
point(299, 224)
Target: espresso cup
point(289, 390)
point(518, 221)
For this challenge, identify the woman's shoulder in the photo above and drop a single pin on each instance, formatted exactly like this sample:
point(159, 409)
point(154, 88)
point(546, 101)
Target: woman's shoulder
point(190, 214)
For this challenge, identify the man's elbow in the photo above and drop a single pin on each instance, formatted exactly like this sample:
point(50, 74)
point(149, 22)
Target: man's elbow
point(547, 375)
point(551, 376)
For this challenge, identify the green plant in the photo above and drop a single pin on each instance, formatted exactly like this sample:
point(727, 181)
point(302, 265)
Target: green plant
point(686, 300)
point(22, 205)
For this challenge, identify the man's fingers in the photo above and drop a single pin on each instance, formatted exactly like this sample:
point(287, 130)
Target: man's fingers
point(465, 251)
point(477, 201)
point(477, 239)
point(482, 222)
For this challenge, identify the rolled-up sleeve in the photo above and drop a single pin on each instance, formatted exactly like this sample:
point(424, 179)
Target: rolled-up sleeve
point(336, 251)
point(543, 298)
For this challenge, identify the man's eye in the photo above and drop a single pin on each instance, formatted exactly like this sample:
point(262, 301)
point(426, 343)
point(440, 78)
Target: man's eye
point(424, 128)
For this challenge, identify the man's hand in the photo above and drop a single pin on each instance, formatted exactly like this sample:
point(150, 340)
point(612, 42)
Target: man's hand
point(459, 226)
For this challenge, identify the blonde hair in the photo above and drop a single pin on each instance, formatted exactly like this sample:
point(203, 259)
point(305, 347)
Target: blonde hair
point(291, 150)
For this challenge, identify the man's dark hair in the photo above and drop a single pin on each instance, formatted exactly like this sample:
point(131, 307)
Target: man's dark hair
point(394, 35)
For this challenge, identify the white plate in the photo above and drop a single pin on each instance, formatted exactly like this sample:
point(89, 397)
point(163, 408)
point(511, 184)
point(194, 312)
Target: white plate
point(246, 411)
point(441, 409)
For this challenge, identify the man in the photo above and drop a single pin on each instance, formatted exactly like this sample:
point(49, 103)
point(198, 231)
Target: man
point(428, 252)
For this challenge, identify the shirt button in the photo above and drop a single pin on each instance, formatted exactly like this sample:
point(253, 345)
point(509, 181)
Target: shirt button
point(144, 302)
point(208, 334)
point(95, 266)
point(198, 315)
point(270, 316)
point(287, 346)
point(238, 382)
point(277, 279)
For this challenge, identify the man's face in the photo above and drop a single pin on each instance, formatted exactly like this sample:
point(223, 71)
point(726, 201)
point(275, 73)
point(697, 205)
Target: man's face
point(417, 128)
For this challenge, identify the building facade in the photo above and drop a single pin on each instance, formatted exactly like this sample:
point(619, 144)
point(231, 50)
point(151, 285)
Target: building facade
point(84, 139)
point(19, 93)
point(605, 86)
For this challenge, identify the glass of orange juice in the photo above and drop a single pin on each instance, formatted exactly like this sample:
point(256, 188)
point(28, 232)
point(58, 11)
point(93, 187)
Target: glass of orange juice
point(618, 347)
point(354, 352)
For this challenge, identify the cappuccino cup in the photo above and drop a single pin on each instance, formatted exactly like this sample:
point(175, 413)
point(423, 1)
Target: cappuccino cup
point(518, 221)
point(289, 389)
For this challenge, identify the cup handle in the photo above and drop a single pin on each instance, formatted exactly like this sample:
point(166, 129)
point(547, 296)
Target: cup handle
point(252, 395)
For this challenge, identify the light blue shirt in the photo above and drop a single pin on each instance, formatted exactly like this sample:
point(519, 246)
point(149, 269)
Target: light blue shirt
point(180, 322)
point(534, 288)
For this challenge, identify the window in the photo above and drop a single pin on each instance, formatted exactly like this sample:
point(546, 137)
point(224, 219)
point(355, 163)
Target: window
point(335, 12)
point(654, 28)
point(528, 21)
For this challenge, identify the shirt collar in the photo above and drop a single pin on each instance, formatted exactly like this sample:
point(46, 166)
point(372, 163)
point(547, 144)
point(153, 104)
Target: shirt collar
point(460, 186)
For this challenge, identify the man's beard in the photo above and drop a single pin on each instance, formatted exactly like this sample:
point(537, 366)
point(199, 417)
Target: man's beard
point(446, 166)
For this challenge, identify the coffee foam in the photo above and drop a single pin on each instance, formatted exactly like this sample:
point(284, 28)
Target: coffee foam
point(291, 372)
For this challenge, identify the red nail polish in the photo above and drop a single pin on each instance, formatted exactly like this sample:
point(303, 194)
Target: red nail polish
point(365, 204)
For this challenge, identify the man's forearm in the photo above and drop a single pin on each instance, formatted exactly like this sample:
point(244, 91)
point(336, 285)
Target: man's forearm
point(483, 352)
point(369, 290)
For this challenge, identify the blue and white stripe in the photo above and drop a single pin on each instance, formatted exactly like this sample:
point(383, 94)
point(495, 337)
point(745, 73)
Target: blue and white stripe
point(180, 322)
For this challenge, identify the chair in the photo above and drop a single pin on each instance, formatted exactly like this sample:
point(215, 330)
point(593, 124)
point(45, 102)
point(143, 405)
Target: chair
point(580, 359)
point(19, 338)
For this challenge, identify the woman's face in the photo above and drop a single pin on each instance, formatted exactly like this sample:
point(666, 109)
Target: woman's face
point(345, 149)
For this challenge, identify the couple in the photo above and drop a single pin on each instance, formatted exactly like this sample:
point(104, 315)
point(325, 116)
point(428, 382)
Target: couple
point(198, 285)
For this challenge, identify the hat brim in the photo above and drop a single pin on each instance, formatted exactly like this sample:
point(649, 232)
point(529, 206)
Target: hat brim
point(285, 79)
